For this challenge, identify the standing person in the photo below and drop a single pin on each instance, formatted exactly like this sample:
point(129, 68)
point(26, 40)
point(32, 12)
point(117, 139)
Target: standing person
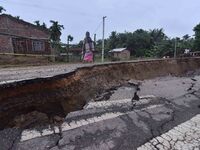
point(88, 48)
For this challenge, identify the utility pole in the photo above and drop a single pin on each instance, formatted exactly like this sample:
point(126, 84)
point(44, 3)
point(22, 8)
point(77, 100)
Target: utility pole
point(68, 49)
point(95, 38)
point(102, 59)
point(94, 46)
point(175, 48)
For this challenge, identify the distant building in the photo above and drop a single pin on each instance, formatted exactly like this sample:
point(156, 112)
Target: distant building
point(18, 36)
point(120, 54)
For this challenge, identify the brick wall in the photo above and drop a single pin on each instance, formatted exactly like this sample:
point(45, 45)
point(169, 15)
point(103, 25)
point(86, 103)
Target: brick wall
point(15, 27)
point(18, 28)
point(5, 44)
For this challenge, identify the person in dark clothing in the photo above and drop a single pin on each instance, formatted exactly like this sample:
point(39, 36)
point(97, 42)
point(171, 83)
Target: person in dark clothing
point(88, 49)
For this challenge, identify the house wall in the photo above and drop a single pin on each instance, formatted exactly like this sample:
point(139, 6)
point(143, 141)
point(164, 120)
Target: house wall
point(5, 44)
point(13, 28)
point(124, 55)
point(25, 46)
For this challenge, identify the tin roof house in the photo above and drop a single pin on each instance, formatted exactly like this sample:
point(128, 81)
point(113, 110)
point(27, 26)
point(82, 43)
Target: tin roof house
point(120, 54)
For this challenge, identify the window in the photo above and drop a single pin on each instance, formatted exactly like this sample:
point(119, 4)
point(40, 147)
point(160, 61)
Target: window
point(38, 46)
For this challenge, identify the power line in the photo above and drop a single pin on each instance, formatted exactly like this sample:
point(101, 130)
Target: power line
point(36, 6)
point(98, 27)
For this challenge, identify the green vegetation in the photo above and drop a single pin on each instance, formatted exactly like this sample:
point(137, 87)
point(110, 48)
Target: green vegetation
point(43, 25)
point(55, 31)
point(152, 43)
point(197, 37)
point(2, 9)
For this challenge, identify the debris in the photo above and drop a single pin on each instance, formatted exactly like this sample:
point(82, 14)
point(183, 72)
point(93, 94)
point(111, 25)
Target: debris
point(58, 119)
point(30, 119)
point(193, 79)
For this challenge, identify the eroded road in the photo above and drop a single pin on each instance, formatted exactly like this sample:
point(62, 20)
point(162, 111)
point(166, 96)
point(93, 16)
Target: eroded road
point(24, 73)
point(165, 117)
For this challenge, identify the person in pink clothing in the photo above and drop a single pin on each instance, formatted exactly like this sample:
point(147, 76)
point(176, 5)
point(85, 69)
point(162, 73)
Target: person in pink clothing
point(88, 49)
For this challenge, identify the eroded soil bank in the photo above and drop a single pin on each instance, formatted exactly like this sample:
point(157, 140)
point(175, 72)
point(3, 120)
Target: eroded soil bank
point(48, 100)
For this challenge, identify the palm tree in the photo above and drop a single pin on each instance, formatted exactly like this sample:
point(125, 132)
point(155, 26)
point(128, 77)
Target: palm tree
point(44, 26)
point(2, 9)
point(55, 31)
point(69, 39)
point(18, 17)
point(186, 37)
point(157, 35)
point(37, 23)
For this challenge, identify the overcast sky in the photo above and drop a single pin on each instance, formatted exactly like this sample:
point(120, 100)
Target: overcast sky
point(176, 17)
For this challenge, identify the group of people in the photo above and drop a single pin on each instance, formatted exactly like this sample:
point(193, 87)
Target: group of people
point(88, 49)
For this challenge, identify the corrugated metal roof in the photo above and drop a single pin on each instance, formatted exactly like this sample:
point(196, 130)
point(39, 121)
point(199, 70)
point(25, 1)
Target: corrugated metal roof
point(117, 50)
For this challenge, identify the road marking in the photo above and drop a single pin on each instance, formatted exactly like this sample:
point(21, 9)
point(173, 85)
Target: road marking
point(31, 134)
point(143, 100)
point(184, 136)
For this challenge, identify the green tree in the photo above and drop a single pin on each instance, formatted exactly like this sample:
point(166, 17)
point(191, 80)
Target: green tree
point(157, 35)
point(113, 39)
point(18, 17)
point(55, 31)
point(142, 42)
point(2, 9)
point(37, 23)
point(186, 37)
point(43, 25)
point(69, 39)
point(186, 42)
point(197, 37)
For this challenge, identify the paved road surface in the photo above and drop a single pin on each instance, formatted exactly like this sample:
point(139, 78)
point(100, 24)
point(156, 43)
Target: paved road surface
point(23, 73)
point(31, 72)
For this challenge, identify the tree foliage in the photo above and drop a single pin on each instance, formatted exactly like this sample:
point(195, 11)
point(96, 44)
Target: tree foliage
point(43, 25)
point(70, 38)
point(197, 37)
point(18, 17)
point(142, 43)
point(2, 9)
point(55, 30)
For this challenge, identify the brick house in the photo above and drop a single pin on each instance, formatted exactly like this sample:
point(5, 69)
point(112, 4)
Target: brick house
point(18, 36)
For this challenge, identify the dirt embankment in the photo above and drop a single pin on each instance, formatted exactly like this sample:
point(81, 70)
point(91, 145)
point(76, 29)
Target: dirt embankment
point(59, 95)
point(14, 60)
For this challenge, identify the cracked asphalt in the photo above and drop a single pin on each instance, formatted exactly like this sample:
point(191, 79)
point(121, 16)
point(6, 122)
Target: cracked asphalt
point(166, 105)
point(24, 73)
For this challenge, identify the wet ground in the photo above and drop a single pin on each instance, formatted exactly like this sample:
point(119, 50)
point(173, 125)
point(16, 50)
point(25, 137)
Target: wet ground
point(113, 121)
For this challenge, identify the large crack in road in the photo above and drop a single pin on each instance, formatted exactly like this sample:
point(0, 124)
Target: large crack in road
point(95, 110)
point(128, 129)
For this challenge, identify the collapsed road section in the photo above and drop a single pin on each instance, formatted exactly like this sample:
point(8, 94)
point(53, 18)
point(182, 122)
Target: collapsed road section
point(35, 110)
point(61, 94)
